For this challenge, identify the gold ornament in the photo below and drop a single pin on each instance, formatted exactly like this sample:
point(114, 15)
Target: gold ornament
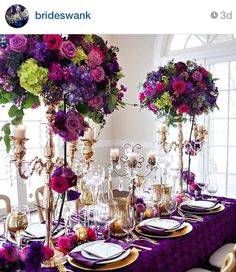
point(81, 233)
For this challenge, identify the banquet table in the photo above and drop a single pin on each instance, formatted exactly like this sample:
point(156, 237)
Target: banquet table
point(192, 250)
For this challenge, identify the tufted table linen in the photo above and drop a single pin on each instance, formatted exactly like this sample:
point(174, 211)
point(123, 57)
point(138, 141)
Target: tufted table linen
point(192, 250)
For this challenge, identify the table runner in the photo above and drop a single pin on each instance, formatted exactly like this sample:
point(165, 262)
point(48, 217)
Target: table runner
point(192, 250)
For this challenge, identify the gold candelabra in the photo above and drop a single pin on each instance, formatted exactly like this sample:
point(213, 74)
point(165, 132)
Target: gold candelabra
point(192, 146)
point(131, 163)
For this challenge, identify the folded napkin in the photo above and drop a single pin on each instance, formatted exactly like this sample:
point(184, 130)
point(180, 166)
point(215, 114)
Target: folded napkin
point(91, 263)
point(186, 207)
point(158, 231)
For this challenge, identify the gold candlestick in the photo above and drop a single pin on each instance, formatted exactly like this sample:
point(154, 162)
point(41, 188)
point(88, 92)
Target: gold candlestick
point(87, 150)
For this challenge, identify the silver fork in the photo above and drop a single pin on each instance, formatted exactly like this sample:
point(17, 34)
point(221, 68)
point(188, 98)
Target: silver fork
point(190, 216)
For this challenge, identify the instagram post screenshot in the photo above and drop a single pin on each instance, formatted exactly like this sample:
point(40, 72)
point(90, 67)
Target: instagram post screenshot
point(117, 136)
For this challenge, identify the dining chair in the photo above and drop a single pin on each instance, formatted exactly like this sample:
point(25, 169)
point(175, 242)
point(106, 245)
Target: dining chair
point(7, 201)
point(217, 258)
point(227, 266)
point(38, 196)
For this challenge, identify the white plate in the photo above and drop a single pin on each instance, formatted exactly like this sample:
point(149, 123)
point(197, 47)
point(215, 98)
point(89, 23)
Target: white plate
point(204, 204)
point(162, 223)
point(107, 251)
point(118, 258)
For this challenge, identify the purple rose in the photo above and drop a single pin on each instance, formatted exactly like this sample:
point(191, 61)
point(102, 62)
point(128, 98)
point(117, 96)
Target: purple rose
point(98, 74)
point(95, 102)
point(67, 49)
point(71, 136)
point(197, 76)
point(18, 43)
point(74, 121)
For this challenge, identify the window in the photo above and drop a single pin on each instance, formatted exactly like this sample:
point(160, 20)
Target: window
point(218, 54)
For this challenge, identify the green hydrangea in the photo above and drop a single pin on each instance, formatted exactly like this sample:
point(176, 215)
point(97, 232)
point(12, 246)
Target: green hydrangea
point(163, 101)
point(80, 56)
point(89, 38)
point(32, 77)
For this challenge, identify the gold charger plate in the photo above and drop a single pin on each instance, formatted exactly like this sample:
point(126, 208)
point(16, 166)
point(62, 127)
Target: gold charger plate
point(133, 256)
point(220, 209)
point(188, 228)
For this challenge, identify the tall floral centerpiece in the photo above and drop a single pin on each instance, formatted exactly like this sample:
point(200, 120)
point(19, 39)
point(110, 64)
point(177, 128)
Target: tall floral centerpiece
point(180, 91)
point(75, 77)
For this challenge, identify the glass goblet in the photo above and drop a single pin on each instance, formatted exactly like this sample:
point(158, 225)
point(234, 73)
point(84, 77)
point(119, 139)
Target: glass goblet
point(128, 222)
point(17, 222)
point(212, 188)
point(171, 203)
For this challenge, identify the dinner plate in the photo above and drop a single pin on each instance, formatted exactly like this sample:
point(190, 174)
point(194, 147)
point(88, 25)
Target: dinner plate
point(116, 259)
point(185, 229)
point(132, 257)
point(205, 204)
point(165, 224)
point(220, 207)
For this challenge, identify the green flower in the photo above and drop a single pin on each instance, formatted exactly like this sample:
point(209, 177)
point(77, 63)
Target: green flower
point(32, 77)
point(89, 38)
point(80, 56)
point(163, 101)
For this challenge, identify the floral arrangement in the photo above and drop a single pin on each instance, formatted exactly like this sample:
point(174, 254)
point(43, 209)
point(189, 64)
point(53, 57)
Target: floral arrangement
point(80, 71)
point(179, 89)
point(190, 179)
point(32, 256)
point(62, 179)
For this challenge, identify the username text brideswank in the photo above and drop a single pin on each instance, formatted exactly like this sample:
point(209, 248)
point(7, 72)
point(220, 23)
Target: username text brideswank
point(52, 15)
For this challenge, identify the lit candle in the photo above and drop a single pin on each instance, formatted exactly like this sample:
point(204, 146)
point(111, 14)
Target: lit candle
point(201, 127)
point(151, 155)
point(19, 132)
point(114, 153)
point(163, 128)
point(132, 157)
point(89, 134)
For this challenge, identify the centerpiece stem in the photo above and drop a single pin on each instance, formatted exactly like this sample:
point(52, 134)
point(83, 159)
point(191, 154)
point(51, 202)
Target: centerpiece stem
point(180, 147)
point(190, 138)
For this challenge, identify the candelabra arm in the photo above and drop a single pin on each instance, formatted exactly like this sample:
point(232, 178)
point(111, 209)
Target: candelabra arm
point(180, 147)
point(153, 169)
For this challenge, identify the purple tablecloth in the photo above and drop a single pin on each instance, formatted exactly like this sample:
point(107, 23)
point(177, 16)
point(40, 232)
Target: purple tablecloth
point(192, 250)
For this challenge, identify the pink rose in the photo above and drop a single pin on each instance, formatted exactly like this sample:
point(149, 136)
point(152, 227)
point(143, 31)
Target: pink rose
point(183, 109)
point(64, 242)
point(193, 186)
point(160, 87)
point(71, 136)
point(95, 57)
point(179, 86)
point(197, 76)
point(98, 74)
point(203, 71)
point(59, 184)
point(95, 102)
point(67, 49)
point(18, 43)
point(140, 207)
point(74, 121)
point(47, 253)
point(23, 253)
point(141, 97)
point(152, 107)
point(91, 234)
point(53, 41)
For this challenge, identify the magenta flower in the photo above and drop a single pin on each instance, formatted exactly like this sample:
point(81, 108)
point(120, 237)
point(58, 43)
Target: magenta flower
point(18, 43)
point(98, 74)
point(197, 76)
point(53, 41)
point(59, 184)
point(184, 108)
point(160, 87)
point(47, 253)
point(141, 97)
point(64, 243)
point(203, 71)
point(95, 102)
point(10, 253)
point(74, 121)
point(67, 49)
point(179, 86)
point(95, 57)
point(56, 72)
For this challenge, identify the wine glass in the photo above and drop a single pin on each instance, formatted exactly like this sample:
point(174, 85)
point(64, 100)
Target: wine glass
point(171, 203)
point(17, 222)
point(202, 182)
point(2, 232)
point(212, 188)
point(158, 193)
point(127, 216)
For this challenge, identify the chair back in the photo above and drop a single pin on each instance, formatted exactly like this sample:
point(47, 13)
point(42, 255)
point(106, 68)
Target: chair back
point(39, 194)
point(229, 263)
point(7, 201)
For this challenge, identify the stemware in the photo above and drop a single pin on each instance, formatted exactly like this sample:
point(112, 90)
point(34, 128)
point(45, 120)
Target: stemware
point(170, 203)
point(17, 222)
point(212, 188)
point(127, 217)
point(202, 181)
point(2, 232)
point(158, 192)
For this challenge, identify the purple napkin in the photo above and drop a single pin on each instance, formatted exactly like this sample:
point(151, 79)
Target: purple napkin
point(91, 263)
point(188, 208)
point(159, 232)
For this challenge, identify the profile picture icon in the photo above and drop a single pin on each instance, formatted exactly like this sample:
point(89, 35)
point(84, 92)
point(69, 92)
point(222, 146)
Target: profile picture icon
point(17, 16)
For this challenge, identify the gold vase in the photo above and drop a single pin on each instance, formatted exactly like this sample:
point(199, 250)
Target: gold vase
point(162, 189)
